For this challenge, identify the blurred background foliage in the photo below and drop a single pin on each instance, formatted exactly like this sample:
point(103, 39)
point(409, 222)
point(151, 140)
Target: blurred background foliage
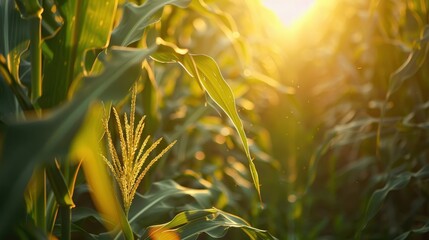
point(335, 108)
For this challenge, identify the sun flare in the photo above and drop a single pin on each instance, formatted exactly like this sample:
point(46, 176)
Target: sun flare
point(289, 11)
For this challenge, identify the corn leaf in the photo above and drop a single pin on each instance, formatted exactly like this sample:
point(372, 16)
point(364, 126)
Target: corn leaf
point(214, 222)
point(52, 21)
point(15, 32)
point(413, 63)
point(29, 8)
point(59, 185)
point(87, 25)
point(420, 230)
point(396, 183)
point(136, 18)
point(205, 70)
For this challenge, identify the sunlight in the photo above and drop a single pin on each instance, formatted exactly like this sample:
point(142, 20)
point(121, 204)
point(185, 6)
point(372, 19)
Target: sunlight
point(289, 11)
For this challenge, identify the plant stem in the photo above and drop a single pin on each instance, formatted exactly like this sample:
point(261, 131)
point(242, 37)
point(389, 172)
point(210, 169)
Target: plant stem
point(65, 212)
point(36, 58)
point(40, 202)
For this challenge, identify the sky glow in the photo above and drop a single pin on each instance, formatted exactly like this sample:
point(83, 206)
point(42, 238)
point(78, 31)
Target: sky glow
point(289, 11)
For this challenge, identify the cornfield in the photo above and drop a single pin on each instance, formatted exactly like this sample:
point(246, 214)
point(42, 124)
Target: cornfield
point(314, 130)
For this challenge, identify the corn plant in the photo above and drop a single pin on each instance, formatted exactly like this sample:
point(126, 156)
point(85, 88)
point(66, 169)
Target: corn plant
point(59, 60)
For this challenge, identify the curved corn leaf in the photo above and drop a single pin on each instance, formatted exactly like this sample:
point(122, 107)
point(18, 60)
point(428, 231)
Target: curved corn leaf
point(214, 222)
point(52, 135)
point(161, 192)
point(136, 18)
point(410, 67)
point(163, 199)
point(421, 230)
point(398, 182)
point(87, 25)
point(205, 70)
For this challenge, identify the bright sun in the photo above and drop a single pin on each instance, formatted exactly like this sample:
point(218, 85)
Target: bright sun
point(289, 11)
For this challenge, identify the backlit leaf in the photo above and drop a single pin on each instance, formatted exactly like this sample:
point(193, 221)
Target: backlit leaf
point(136, 18)
point(214, 222)
point(205, 70)
point(87, 25)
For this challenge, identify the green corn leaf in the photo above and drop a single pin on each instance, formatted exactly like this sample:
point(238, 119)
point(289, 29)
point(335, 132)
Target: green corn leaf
point(29, 8)
point(87, 25)
point(214, 222)
point(163, 199)
point(161, 193)
point(14, 37)
point(396, 183)
point(59, 186)
point(136, 18)
point(205, 70)
point(421, 230)
point(15, 42)
point(52, 21)
point(410, 67)
point(51, 136)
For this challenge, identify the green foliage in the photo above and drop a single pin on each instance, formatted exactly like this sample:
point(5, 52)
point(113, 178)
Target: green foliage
point(213, 222)
point(80, 55)
point(328, 117)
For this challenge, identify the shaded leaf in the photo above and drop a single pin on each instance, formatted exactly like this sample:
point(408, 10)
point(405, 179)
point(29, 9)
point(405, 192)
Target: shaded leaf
point(29, 8)
point(421, 230)
point(59, 185)
point(410, 67)
point(87, 25)
point(15, 36)
point(395, 183)
point(52, 21)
